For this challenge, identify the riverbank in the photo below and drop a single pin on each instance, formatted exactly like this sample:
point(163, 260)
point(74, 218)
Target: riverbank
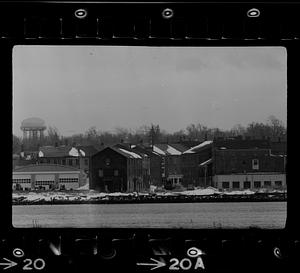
point(90, 197)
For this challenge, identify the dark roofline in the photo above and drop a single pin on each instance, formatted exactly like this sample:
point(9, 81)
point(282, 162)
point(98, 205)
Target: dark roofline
point(19, 169)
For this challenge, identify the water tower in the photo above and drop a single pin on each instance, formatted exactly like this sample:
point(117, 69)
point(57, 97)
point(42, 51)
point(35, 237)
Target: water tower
point(33, 128)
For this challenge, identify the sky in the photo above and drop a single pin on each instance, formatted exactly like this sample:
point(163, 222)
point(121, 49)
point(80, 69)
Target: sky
point(75, 88)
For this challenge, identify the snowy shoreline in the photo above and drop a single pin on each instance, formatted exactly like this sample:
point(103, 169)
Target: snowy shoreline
point(92, 197)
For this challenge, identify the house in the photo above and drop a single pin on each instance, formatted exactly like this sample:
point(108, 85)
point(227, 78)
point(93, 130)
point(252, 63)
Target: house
point(155, 161)
point(197, 165)
point(171, 163)
point(117, 169)
point(74, 156)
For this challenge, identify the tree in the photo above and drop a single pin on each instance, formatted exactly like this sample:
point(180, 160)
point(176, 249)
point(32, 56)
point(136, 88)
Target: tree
point(276, 127)
point(52, 136)
point(17, 144)
point(154, 134)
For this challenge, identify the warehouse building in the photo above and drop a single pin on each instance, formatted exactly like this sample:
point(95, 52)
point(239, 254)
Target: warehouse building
point(234, 164)
point(171, 155)
point(117, 169)
point(47, 177)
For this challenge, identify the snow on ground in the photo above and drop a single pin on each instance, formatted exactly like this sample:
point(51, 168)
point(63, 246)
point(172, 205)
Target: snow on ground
point(92, 195)
point(245, 192)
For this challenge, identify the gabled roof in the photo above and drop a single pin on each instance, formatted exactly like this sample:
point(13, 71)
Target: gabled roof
point(242, 144)
point(169, 149)
point(89, 150)
point(144, 150)
point(122, 151)
point(199, 147)
point(45, 168)
point(66, 151)
point(51, 151)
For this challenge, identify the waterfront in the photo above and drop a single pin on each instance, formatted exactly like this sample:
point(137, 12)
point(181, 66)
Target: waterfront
point(158, 215)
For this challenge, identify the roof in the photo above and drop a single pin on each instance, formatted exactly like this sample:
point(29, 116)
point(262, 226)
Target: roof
point(242, 144)
point(45, 168)
point(89, 150)
point(122, 151)
point(205, 162)
point(144, 150)
point(169, 149)
point(197, 148)
point(66, 151)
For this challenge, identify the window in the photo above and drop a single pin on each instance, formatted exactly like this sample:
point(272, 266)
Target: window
point(68, 180)
point(267, 183)
point(21, 180)
point(255, 164)
point(247, 185)
point(100, 173)
point(257, 184)
point(76, 162)
point(70, 162)
point(278, 183)
point(63, 162)
point(116, 172)
point(235, 185)
point(43, 183)
point(86, 162)
point(225, 185)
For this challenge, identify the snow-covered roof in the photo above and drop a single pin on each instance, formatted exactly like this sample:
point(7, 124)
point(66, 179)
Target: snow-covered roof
point(76, 152)
point(201, 145)
point(132, 154)
point(205, 162)
point(166, 149)
point(158, 151)
point(173, 151)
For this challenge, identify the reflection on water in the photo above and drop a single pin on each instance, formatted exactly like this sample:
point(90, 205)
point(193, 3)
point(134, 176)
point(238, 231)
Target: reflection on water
point(173, 215)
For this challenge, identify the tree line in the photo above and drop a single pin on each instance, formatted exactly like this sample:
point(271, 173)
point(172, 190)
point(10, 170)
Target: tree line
point(273, 129)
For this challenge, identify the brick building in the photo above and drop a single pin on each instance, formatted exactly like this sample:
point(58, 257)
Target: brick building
point(247, 164)
point(171, 155)
point(234, 163)
point(117, 169)
point(155, 161)
point(197, 165)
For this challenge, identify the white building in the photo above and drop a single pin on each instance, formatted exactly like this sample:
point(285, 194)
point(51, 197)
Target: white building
point(47, 177)
point(253, 181)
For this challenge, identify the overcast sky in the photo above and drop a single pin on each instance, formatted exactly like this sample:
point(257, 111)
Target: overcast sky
point(74, 88)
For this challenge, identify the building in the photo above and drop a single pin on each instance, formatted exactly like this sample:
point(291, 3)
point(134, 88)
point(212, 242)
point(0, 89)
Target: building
point(247, 164)
point(74, 156)
point(197, 165)
point(234, 164)
point(47, 177)
point(171, 163)
point(155, 161)
point(117, 169)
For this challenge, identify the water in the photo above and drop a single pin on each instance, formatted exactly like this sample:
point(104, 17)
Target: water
point(172, 215)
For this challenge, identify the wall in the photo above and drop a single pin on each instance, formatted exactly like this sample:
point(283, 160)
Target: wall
point(117, 162)
point(239, 161)
point(250, 177)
